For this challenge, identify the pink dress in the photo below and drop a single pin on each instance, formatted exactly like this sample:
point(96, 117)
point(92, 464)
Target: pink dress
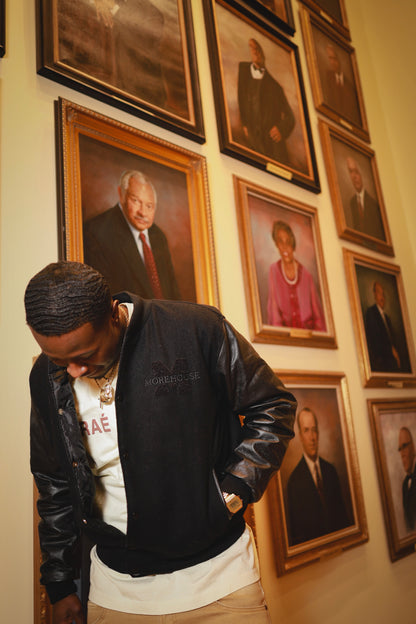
point(295, 304)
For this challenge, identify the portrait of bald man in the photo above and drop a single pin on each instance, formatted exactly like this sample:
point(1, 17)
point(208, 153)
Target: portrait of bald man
point(117, 242)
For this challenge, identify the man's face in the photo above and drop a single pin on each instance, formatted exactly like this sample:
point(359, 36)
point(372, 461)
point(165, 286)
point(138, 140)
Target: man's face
point(379, 295)
point(406, 450)
point(309, 434)
point(85, 351)
point(355, 174)
point(138, 204)
point(256, 54)
point(333, 59)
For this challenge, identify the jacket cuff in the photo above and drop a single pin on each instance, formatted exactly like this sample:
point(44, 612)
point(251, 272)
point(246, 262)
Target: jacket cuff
point(234, 485)
point(58, 591)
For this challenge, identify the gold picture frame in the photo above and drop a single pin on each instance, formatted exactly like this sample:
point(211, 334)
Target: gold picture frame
point(138, 58)
point(269, 295)
point(393, 427)
point(273, 133)
point(327, 53)
point(93, 151)
point(351, 167)
point(306, 530)
point(381, 321)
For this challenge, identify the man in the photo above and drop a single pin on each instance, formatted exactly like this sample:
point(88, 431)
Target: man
point(363, 213)
point(339, 92)
point(408, 455)
point(266, 116)
point(382, 350)
point(163, 471)
point(119, 241)
point(316, 505)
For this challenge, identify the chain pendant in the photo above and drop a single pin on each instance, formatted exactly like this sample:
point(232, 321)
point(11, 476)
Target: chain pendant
point(106, 393)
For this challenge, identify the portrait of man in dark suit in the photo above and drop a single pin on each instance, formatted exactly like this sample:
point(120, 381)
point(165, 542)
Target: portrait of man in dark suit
point(408, 457)
point(339, 91)
point(266, 116)
point(362, 212)
point(315, 501)
point(379, 331)
point(127, 247)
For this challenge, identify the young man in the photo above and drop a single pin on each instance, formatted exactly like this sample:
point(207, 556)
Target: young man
point(136, 443)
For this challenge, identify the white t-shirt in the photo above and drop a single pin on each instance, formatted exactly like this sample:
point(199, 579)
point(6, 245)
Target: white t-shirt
point(182, 590)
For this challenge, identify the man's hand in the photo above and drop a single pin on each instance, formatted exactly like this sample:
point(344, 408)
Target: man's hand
point(396, 356)
point(68, 610)
point(275, 134)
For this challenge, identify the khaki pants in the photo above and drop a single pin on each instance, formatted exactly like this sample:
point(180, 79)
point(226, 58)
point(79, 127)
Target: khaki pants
point(245, 605)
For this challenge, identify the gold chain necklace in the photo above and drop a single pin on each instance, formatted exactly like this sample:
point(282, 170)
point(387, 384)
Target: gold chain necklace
point(106, 394)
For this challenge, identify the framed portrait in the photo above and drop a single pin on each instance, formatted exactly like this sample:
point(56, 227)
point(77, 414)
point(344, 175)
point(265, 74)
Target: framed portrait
point(137, 55)
point(333, 12)
point(315, 500)
point(102, 216)
point(260, 103)
point(393, 426)
point(271, 12)
point(285, 279)
point(355, 189)
point(333, 70)
point(2, 28)
point(381, 321)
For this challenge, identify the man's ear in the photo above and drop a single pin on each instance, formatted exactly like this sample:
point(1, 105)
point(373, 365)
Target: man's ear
point(115, 311)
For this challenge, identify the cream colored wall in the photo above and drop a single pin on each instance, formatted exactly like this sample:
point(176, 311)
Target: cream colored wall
point(360, 585)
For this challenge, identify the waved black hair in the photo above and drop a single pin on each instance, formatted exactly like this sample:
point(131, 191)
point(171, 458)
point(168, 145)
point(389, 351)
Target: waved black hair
point(64, 296)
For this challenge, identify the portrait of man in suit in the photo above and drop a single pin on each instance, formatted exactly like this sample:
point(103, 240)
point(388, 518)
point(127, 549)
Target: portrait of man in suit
point(314, 495)
point(133, 45)
point(266, 116)
point(127, 247)
point(338, 89)
point(379, 331)
point(408, 457)
point(362, 212)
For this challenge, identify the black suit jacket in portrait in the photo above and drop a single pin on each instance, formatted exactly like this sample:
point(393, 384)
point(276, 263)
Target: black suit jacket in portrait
point(263, 104)
point(409, 501)
point(380, 340)
point(370, 221)
point(110, 248)
point(309, 517)
point(342, 98)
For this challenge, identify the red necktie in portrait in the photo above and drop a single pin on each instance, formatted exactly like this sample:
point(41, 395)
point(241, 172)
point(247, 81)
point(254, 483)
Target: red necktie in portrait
point(151, 269)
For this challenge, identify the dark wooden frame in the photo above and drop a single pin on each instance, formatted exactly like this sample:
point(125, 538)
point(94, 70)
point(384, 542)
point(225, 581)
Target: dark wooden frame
point(315, 55)
point(2, 28)
point(292, 557)
point(361, 296)
point(75, 122)
point(282, 54)
point(341, 25)
point(49, 64)
point(386, 415)
point(268, 16)
point(304, 220)
point(339, 183)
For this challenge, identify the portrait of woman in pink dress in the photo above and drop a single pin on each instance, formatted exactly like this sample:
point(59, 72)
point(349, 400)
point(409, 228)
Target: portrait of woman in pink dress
point(293, 300)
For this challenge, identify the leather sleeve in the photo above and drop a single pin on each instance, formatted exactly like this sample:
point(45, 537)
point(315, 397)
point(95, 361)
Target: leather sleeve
point(58, 534)
point(266, 407)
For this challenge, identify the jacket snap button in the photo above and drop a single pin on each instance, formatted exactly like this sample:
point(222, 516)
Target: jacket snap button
point(74, 464)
